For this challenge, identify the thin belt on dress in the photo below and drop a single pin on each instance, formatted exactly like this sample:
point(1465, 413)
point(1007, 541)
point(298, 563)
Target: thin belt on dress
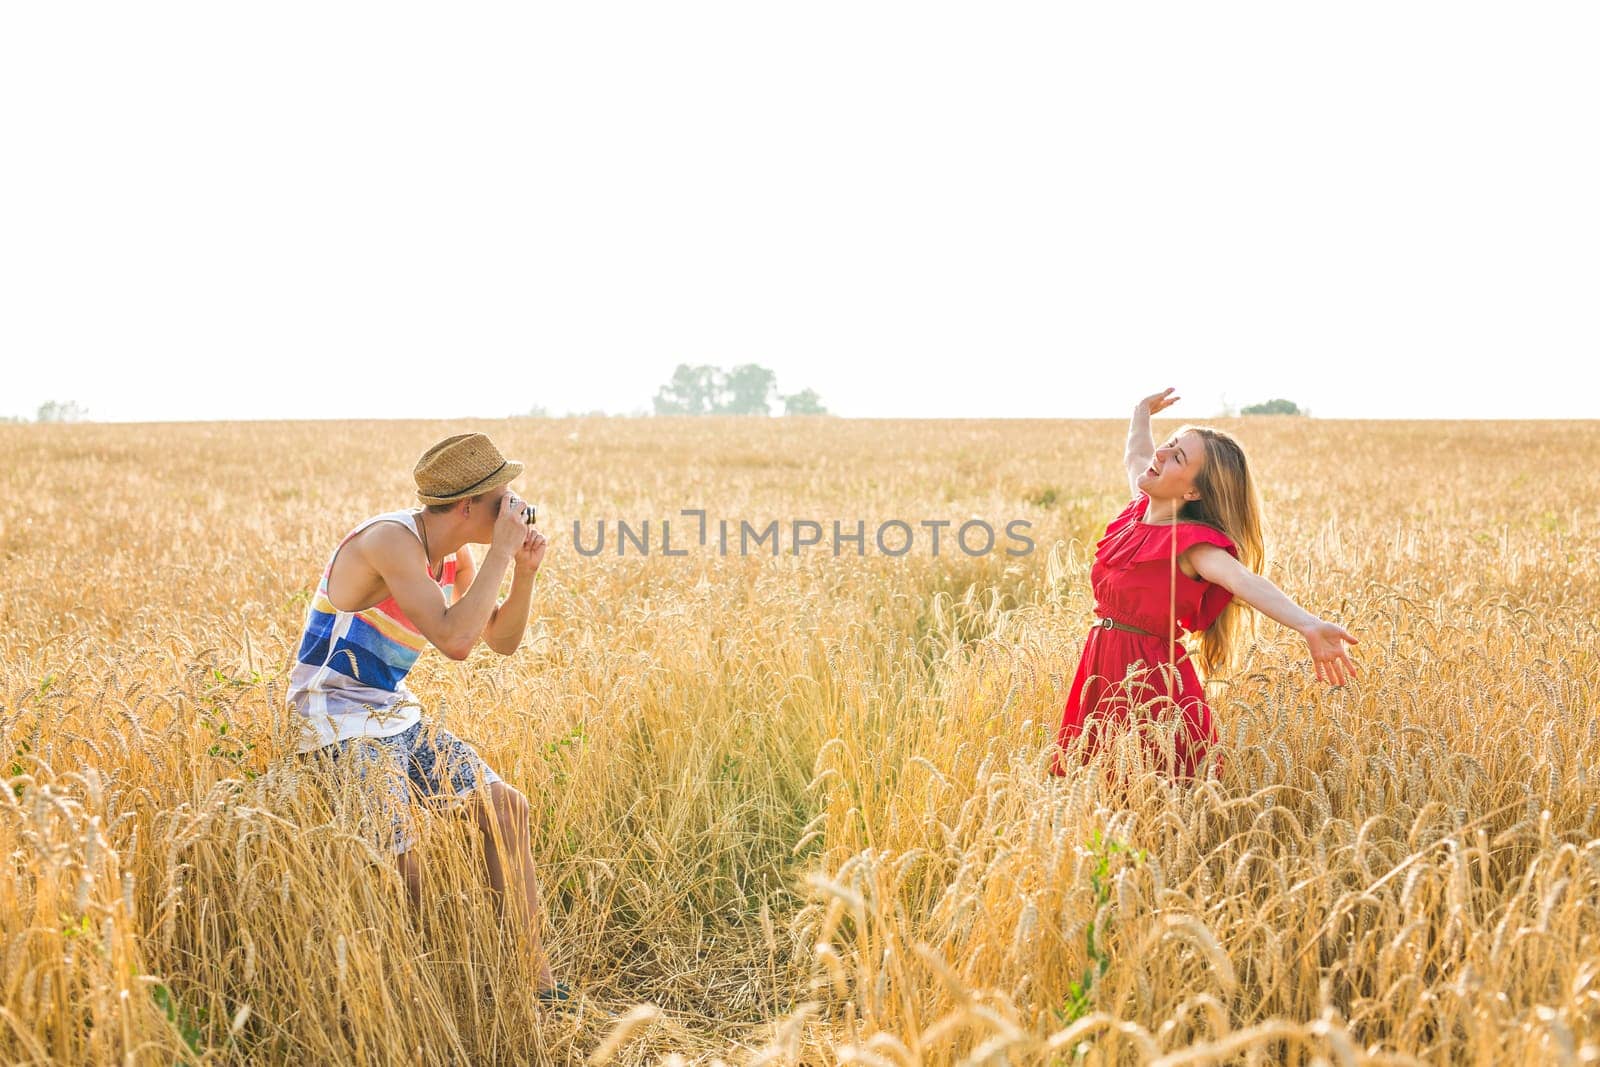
point(1112, 624)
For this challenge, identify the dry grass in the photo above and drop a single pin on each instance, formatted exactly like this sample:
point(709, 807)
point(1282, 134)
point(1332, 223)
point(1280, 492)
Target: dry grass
point(796, 811)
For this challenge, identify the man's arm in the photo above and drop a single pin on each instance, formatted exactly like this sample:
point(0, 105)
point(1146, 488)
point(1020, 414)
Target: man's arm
point(494, 634)
point(466, 570)
point(510, 620)
point(453, 629)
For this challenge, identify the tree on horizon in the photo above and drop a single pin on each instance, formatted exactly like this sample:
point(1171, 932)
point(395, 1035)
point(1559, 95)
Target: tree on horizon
point(1274, 407)
point(747, 389)
point(58, 411)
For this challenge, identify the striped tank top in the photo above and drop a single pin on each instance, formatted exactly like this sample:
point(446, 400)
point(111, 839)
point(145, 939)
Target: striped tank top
point(348, 677)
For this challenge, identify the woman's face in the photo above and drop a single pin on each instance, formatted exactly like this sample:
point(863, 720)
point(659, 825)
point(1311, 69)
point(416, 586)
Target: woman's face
point(1171, 474)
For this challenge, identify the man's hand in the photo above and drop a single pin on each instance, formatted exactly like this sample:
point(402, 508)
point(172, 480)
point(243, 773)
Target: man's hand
point(510, 530)
point(531, 553)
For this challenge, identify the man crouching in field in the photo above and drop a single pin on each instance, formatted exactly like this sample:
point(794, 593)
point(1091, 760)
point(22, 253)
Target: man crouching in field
point(397, 583)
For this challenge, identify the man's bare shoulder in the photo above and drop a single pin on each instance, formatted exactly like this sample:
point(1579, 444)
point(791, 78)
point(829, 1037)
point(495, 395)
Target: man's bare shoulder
point(382, 546)
point(386, 541)
point(357, 578)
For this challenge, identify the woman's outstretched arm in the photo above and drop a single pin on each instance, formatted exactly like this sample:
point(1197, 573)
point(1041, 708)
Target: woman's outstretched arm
point(1324, 639)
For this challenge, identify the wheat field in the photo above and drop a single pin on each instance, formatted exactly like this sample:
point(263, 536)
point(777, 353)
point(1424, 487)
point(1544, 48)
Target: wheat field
point(796, 810)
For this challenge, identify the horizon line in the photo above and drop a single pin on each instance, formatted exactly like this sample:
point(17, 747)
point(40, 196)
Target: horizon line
point(10, 420)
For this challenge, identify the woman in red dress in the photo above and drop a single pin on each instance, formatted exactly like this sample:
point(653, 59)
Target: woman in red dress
point(1182, 558)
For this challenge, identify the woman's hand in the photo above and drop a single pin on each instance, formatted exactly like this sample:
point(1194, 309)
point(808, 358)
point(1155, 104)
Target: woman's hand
point(1328, 654)
point(1158, 402)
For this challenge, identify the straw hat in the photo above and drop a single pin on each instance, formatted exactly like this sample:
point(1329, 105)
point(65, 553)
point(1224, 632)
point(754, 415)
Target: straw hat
point(462, 466)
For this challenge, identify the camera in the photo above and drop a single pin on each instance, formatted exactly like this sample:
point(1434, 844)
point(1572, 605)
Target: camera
point(528, 514)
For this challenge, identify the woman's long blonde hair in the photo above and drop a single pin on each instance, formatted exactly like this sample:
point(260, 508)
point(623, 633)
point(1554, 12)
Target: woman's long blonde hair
point(1228, 502)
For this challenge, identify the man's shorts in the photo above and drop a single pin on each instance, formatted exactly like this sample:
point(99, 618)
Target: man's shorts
point(428, 762)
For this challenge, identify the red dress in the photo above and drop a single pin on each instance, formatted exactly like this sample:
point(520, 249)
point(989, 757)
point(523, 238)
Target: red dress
point(1133, 582)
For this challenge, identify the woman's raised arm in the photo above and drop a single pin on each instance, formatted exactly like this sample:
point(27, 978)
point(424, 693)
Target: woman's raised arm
point(1141, 450)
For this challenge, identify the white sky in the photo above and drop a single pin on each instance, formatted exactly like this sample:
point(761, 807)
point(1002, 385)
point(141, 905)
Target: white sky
point(323, 209)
